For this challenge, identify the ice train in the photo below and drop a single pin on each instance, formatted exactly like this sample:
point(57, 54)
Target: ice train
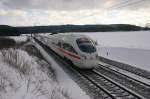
point(79, 49)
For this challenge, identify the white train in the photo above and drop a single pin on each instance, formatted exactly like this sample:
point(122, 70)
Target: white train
point(79, 49)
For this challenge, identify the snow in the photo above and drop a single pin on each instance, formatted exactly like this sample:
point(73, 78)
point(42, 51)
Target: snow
point(22, 78)
point(132, 48)
point(75, 91)
point(134, 57)
point(133, 39)
point(19, 38)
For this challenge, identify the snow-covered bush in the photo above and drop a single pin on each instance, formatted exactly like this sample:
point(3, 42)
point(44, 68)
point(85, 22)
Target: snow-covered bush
point(22, 77)
point(18, 59)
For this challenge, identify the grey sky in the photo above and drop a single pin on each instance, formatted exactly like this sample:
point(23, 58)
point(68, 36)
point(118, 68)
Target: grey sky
point(50, 12)
point(51, 4)
point(69, 4)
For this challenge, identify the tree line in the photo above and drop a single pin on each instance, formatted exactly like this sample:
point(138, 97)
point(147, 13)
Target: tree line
point(6, 30)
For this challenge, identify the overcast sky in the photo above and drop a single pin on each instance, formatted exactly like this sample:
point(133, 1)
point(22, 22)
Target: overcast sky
point(55, 12)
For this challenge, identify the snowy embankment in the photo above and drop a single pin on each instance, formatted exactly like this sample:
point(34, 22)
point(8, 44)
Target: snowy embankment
point(132, 48)
point(132, 39)
point(27, 77)
point(64, 80)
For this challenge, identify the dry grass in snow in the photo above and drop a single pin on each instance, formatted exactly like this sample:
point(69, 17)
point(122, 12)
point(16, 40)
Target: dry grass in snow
point(27, 77)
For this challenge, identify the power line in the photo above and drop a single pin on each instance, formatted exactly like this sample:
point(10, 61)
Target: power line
point(126, 3)
point(120, 3)
point(130, 4)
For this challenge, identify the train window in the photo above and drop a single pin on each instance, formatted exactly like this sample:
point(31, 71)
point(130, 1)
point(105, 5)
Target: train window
point(68, 47)
point(65, 46)
point(86, 45)
point(88, 48)
point(59, 44)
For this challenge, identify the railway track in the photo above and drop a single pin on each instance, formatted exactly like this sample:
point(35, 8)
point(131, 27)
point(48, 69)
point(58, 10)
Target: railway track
point(114, 89)
point(129, 68)
point(130, 83)
point(128, 74)
point(95, 83)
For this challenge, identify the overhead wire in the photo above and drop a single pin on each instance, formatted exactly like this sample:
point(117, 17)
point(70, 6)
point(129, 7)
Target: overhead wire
point(120, 3)
point(126, 3)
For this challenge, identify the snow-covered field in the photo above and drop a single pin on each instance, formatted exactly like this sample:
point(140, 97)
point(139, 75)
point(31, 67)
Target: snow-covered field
point(133, 39)
point(128, 47)
point(135, 57)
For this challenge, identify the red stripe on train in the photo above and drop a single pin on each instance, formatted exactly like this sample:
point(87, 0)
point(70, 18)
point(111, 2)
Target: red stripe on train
point(70, 54)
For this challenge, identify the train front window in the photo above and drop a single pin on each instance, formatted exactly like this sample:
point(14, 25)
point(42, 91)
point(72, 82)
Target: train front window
point(86, 45)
